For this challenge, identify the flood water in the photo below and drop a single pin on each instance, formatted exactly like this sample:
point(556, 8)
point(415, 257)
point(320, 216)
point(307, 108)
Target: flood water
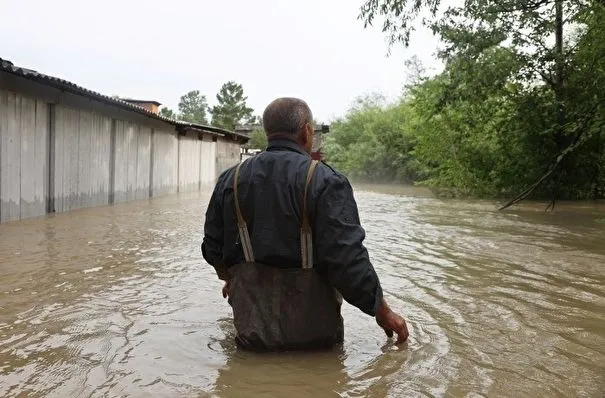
point(118, 302)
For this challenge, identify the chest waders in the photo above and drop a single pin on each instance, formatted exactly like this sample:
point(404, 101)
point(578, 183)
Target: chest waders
point(283, 308)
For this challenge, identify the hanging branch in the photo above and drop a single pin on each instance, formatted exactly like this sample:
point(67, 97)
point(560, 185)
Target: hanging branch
point(579, 139)
point(555, 196)
point(551, 205)
point(535, 185)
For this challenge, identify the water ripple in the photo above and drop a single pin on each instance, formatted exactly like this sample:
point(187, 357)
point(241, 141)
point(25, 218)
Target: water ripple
point(117, 301)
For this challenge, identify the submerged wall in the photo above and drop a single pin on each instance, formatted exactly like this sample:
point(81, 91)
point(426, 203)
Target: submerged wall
point(190, 159)
point(80, 152)
point(227, 154)
point(208, 169)
point(23, 162)
point(60, 152)
point(165, 162)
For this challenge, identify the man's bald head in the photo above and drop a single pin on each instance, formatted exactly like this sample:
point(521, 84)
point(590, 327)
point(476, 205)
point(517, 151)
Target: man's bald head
point(286, 116)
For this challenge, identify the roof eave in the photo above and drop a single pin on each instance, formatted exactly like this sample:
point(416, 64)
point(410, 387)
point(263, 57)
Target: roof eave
point(64, 85)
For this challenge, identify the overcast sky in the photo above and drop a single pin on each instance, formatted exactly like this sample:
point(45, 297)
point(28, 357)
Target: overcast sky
point(313, 49)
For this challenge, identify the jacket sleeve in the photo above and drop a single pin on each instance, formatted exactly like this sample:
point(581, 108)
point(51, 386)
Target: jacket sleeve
point(339, 244)
point(212, 244)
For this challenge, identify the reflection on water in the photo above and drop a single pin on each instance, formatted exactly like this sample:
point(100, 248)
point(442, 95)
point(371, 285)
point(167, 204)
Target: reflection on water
point(117, 301)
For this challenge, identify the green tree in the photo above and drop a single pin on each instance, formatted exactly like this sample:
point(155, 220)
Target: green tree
point(231, 108)
point(193, 107)
point(167, 112)
point(375, 142)
point(513, 108)
point(258, 139)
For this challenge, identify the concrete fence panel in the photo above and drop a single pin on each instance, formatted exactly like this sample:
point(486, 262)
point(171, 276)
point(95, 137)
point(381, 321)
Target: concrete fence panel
point(165, 163)
point(81, 159)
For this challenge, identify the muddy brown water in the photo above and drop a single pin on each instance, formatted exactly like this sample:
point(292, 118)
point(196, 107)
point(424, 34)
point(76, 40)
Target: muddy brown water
point(117, 302)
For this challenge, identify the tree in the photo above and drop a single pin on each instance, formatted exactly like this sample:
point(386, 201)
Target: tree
point(415, 71)
point(254, 121)
point(231, 109)
point(499, 55)
point(258, 140)
point(193, 107)
point(167, 112)
point(374, 142)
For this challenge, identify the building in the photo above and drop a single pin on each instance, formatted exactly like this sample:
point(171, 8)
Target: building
point(317, 152)
point(65, 147)
point(150, 105)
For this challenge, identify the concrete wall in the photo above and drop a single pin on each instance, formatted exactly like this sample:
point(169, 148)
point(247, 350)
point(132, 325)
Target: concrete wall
point(165, 162)
point(190, 162)
point(81, 154)
point(227, 154)
point(23, 147)
point(60, 152)
point(132, 161)
point(208, 165)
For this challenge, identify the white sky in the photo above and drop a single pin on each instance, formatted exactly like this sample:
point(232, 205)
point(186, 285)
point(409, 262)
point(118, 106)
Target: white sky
point(313, 49)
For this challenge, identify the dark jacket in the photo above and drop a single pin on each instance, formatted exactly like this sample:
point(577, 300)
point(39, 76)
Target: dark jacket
point(271, 188)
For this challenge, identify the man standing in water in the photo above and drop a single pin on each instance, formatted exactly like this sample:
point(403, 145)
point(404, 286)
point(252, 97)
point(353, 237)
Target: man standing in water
point(283, 232)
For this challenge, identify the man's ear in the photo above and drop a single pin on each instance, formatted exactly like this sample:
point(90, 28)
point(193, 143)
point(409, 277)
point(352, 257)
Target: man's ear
point(310, 132)
point(304, 136)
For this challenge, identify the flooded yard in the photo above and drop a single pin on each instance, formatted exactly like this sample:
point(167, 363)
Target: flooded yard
point(118, 302)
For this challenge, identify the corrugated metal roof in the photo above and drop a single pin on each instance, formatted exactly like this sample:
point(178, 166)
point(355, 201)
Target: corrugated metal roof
point(131, 100)
point(8, 66)
point(212, 129)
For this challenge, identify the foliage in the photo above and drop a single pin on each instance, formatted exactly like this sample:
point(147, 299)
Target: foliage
point(258, 139)
point(167, 112)
point(231, 109)
point(521, 99)
point(193, 107)
point(373, 142)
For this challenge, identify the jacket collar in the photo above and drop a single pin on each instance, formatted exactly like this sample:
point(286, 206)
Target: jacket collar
point(281, 144)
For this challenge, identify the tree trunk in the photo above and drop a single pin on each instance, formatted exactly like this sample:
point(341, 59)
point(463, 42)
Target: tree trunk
point(560, 138)
point(598, 178)
point(559, 42)
point(559, 72)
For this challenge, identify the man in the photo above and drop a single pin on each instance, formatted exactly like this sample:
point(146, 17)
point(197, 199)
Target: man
point(283, 232)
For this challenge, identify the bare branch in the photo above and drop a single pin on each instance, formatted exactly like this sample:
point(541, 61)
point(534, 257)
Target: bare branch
point(579, 139)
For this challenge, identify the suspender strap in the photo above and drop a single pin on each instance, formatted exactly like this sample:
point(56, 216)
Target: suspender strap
point(244, 236)
point(306, 239)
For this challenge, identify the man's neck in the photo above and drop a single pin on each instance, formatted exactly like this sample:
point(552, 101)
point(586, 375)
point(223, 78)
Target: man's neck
point(278, 140)
point(283, 136)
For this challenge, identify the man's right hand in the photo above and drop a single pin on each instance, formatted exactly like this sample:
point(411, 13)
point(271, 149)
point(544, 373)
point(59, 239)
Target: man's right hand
point(226, 289)
point(391, 323)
